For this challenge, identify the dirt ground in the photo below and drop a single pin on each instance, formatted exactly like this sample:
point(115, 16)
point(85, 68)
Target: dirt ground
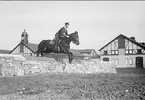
point(73, 87)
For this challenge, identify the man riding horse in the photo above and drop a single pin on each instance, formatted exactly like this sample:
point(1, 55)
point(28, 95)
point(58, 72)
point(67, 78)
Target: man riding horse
point(60, 44)
point(60, 35)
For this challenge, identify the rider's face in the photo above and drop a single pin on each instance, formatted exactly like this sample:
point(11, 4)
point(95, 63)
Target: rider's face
point(66, 25)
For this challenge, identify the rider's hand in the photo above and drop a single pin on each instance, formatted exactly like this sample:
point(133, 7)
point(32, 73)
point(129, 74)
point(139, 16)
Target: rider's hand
point(67, 36)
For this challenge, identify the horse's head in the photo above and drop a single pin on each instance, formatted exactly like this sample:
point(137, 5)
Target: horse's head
point(75, 38)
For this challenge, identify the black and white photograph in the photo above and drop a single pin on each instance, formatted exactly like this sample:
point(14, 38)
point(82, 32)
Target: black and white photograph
point(72, 50)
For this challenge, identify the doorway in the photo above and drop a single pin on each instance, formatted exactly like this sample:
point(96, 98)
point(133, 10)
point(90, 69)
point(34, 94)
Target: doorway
point(139, 62)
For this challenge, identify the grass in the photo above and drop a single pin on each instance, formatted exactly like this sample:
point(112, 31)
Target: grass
point(73, 87)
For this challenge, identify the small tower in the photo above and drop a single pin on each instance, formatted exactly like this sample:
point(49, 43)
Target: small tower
point(24, 37)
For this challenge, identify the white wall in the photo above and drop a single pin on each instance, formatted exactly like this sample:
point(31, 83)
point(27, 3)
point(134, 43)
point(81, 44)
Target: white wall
point(122, 60)
point(27, 52)
point(17, 50)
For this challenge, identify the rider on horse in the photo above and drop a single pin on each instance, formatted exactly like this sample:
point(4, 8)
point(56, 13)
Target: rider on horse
point(60, 36)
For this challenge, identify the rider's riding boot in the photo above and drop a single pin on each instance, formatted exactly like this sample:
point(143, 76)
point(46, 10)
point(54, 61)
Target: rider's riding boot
point(57, 47)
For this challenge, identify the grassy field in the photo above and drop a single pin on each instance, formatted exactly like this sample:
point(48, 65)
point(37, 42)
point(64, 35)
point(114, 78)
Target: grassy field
point(73, 87)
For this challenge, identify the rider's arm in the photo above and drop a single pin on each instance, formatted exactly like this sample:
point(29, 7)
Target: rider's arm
point(66, 35)
point(64, 32)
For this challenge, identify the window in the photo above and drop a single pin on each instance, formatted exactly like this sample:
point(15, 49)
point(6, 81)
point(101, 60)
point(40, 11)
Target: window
point(131, 61)
point(131, 51)
point(126, 61)
point(106, 59)
point(111, 49)
point(138, 51)
point(109, 52)
point(143, 51)
point(116, 52)
point(113, 52)
point(132, 48)
point(126, 51)
point(30, 54)
point(116, 61)
point(134, 51)
point(105, 52)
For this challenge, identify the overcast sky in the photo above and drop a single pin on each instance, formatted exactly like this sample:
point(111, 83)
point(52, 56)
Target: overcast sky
point(98, 22)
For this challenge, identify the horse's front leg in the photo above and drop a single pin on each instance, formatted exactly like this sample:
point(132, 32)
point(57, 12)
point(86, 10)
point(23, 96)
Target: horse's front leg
point(70, 55)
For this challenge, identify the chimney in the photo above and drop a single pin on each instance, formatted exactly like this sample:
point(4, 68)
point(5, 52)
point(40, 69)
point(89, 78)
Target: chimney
point(133, 38)
point(143, 43)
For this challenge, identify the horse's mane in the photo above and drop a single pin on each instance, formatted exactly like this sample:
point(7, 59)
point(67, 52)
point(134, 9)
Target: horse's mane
point(73, 33)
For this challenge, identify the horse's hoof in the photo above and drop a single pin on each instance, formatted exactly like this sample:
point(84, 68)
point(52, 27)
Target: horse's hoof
point(70, 62)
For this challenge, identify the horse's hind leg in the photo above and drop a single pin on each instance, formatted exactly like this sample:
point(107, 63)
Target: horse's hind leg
point(41, 54)
point(37, 53)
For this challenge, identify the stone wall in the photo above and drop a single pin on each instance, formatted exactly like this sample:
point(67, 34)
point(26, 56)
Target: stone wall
point(11, 65)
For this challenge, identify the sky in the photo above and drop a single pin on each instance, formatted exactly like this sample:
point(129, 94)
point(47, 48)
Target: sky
point(98, 22)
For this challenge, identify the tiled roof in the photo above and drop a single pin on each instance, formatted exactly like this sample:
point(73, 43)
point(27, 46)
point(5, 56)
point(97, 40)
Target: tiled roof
point(33, 46)
point(4, 51)
point(76, 52)
point(137, 43)
point(86, 50)
point(89, 51)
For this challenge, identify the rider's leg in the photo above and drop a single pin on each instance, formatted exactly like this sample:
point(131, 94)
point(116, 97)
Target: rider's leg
point(58, 43)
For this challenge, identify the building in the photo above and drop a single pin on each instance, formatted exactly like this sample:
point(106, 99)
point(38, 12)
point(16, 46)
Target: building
point(89, 53)
point(2, 51)
point(24, 47)
point(125, 52)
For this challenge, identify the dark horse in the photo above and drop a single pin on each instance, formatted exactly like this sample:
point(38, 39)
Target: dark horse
point(46, 46)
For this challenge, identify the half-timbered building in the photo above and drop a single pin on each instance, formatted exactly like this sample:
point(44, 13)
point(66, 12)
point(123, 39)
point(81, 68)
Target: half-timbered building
point(125, 52)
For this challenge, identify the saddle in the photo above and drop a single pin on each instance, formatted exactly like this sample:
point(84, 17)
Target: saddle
point(51, 42)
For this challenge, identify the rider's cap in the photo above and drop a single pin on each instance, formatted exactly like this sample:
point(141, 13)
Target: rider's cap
point(67, 23)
